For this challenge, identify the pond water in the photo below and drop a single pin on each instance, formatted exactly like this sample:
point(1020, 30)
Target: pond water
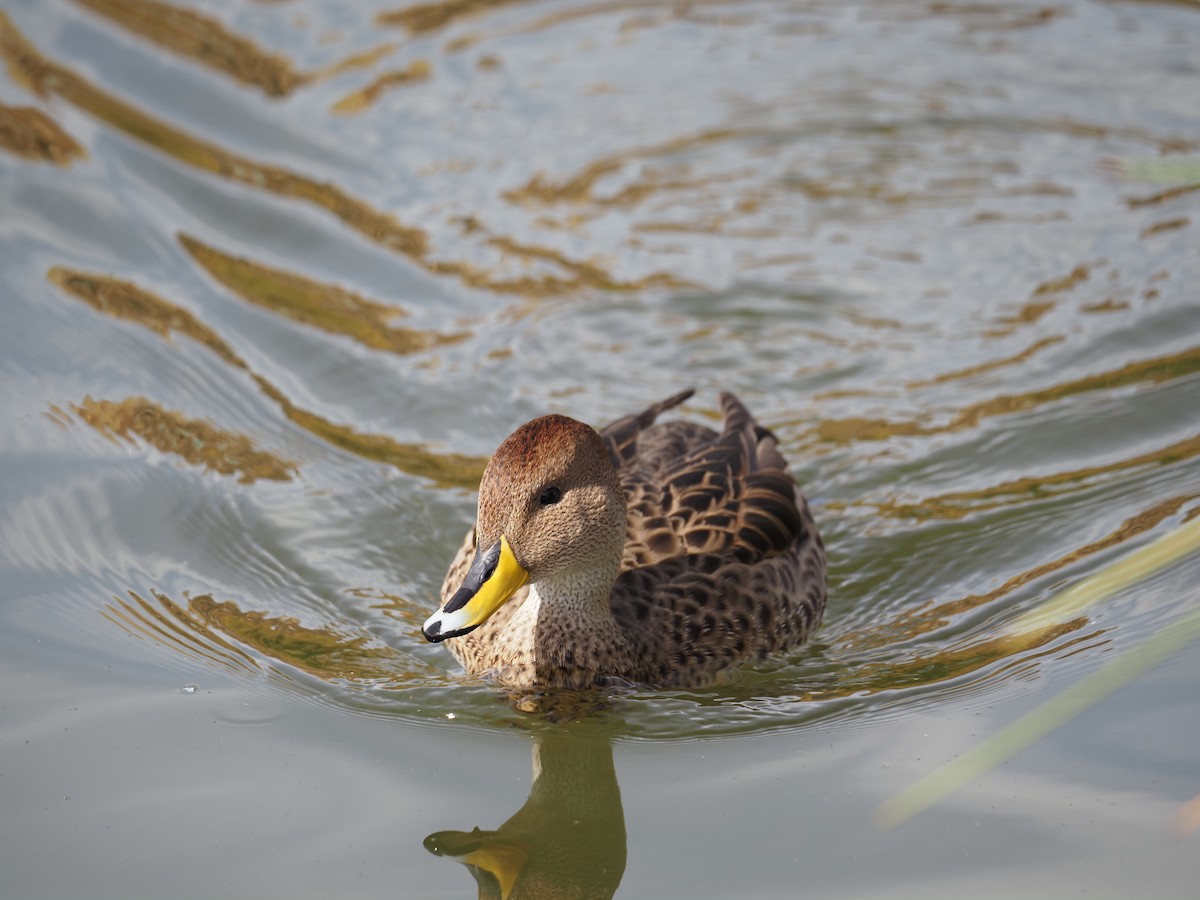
point(278, 277)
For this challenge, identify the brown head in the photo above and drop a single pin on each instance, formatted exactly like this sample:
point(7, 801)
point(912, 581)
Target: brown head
point(550, 507)
point(551, 489)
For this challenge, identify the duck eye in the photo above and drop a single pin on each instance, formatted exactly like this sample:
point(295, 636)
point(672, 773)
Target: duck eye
point(550, 496)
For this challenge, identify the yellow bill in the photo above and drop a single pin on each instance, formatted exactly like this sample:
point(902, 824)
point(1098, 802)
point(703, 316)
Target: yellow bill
point(494, 576)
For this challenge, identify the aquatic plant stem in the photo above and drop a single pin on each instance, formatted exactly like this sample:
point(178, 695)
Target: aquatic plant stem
point(1127, 570)
point(1055, 712)
point(1040, 722)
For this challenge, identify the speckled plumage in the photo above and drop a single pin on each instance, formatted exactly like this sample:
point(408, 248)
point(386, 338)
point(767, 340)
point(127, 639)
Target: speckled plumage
point(682, 552)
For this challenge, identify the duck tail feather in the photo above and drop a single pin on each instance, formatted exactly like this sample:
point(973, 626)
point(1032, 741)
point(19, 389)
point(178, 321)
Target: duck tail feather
point(646, 418)
point(621, 436)
point(761, 444)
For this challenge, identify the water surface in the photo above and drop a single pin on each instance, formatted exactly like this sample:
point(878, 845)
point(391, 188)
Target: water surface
point(279, 276)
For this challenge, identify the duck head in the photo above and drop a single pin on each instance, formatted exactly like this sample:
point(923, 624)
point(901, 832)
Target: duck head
point(551, 510)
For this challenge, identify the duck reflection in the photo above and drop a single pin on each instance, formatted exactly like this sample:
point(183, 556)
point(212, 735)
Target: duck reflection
point(568, 840)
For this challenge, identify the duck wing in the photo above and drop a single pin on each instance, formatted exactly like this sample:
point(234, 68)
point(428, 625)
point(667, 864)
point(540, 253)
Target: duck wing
point(723, 561)
point(690, 490)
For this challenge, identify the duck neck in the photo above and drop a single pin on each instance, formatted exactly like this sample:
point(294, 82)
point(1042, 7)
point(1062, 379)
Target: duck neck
point(570, 624)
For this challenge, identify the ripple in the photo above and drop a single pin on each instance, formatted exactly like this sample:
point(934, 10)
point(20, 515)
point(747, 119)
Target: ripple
point(975, 341)
point(900, 666)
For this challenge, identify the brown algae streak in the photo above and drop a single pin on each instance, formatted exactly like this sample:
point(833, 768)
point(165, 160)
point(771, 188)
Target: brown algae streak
point(1068, 282)
point(123, 300)
point(323, 652)
point(325, 306)
point(195, 441)
point(203, 39)
point(1166, 225)
point(1155, 370)
point(1166, 196)
point(1033, 311)
point(209, 43)
point(923, 620)
point(990, 366)
point(953, 663)
point(30, 133)
point(220, 632)
point(429, 17)
point(168, 624)
point(42, 76)
point(579, 189)
point(957, 504)
point(416, 72)
point(424, 18)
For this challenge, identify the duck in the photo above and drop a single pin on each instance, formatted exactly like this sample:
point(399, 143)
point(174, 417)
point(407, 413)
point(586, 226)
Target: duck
point(643, 554)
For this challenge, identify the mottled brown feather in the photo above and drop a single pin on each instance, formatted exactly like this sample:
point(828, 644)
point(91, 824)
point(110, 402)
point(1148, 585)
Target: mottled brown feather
point(722, 560)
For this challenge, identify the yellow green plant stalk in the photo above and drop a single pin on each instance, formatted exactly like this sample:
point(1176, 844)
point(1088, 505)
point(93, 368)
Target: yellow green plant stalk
point(1036, 724)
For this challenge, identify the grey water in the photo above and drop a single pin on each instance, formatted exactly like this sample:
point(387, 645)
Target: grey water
point(276, 277)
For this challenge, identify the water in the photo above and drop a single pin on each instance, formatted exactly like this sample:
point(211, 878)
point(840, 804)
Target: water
point(277, 278)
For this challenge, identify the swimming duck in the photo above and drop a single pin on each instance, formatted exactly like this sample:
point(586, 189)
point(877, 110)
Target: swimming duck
point(652, 554)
